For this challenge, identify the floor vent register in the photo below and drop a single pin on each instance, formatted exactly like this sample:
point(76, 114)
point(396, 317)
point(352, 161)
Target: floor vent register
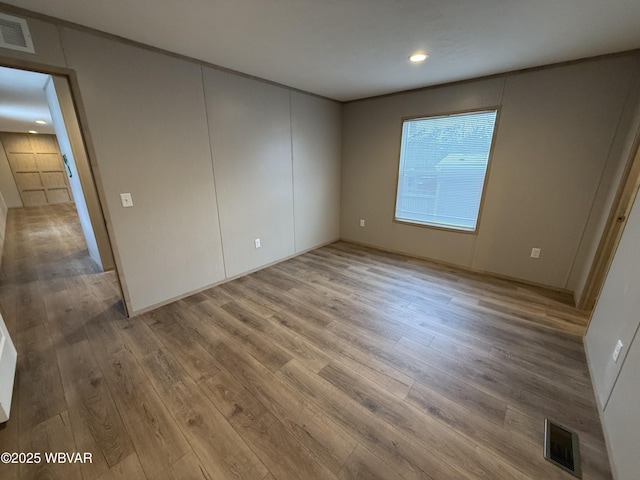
point(561, 447)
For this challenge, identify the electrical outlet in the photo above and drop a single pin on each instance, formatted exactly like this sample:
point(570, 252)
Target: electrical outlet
point(362, 222)
point(535, 253)
point(616, 351)
point(257, 243)
point(126, 200)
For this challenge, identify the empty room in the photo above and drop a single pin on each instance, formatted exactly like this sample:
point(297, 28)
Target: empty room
point(274, 240)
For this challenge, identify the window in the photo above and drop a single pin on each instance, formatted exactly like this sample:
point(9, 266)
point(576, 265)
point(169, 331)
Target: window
point(443, 164)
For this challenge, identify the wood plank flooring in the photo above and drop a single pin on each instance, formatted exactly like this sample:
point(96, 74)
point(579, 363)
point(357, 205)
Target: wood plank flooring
point(342, 363)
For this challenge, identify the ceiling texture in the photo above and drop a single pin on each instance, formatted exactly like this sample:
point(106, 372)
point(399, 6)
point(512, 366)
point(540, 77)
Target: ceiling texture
point(352, 49)
point(23, 101)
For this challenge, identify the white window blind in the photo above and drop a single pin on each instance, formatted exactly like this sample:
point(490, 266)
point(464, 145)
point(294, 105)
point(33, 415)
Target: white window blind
point(443, 164)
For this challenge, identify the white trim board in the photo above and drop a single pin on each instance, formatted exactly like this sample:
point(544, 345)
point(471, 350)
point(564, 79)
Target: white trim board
point(8, 357)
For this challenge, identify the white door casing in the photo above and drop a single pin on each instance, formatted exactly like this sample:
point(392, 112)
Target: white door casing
point(8, 358)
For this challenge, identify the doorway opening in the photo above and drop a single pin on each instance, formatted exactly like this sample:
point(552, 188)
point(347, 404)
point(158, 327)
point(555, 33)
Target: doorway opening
point(44, 162)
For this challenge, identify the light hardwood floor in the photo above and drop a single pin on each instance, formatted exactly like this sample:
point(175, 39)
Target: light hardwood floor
point(344, 362)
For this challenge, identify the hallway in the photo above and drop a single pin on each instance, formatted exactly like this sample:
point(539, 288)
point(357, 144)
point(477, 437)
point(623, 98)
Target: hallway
point(49, 287)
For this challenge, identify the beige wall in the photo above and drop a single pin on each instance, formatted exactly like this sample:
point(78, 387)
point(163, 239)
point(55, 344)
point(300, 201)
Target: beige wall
point(317, 155)
point(158, 137)
point(555, 131)
point(617, 384)
point(250, 134)
point(276, 158)
point(148, 125)
point(620, 154)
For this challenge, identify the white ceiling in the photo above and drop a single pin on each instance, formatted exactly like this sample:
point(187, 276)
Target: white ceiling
point(350, 49)
point(23, 101)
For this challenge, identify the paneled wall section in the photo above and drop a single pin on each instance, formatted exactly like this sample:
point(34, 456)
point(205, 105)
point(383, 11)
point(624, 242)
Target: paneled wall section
point(250, 132)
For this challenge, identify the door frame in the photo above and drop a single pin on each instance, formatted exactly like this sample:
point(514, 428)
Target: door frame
point(617, 219)
point(92, 165)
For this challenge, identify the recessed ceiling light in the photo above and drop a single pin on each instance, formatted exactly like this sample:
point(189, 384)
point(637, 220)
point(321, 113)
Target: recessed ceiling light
point(418, 57)
point(41, 122)
point(32, 131)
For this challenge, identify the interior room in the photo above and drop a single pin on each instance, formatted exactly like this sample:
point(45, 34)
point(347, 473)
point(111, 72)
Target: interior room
point(284, 240)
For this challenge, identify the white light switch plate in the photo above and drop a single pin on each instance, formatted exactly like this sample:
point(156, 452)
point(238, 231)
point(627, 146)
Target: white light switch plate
point(535, 253)
point(126, 200)
point(616, 351)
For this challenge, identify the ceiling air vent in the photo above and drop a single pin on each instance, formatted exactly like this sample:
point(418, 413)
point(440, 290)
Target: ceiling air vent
point(14, 34)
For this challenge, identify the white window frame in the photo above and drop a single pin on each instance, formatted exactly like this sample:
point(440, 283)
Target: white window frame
point(442, 226)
